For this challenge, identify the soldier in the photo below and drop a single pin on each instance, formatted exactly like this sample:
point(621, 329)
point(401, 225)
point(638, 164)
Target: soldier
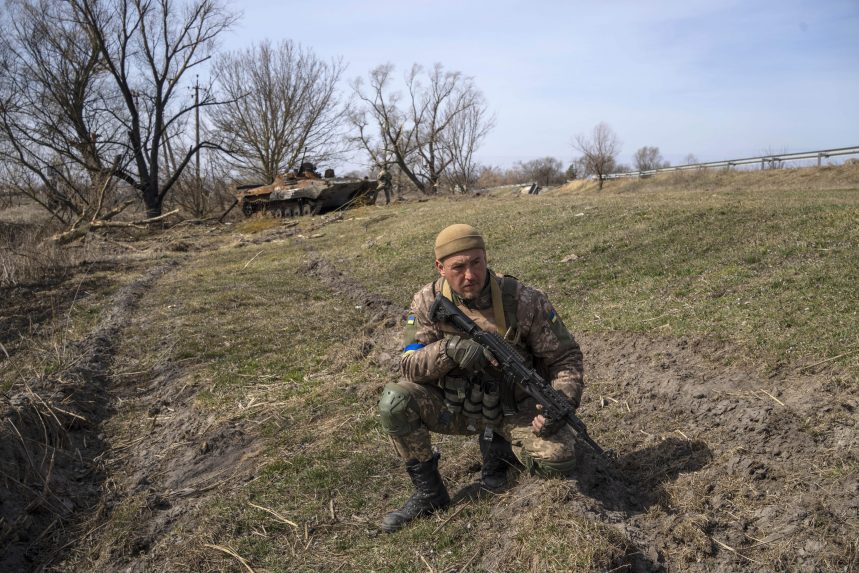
point(451, 387)
point(384, 184)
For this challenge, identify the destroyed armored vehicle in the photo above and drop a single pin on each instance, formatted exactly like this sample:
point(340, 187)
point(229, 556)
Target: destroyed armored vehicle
point(305, 192)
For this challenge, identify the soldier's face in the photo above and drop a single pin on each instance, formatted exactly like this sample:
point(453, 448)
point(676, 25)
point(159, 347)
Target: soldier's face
point(465, 271)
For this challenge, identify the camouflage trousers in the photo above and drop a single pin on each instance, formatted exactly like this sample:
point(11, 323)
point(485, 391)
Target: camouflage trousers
point(386, 189)
point(516, 429)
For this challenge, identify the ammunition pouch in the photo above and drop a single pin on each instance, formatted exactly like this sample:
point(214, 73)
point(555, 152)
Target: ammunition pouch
point(473, 406)
point(491, 401)
point(477, 396)
point(455, 386)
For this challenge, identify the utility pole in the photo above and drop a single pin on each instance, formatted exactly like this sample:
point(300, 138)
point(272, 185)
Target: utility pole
point(197, 132)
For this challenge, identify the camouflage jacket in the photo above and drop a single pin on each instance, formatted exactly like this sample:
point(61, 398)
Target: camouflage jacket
point(542, 339)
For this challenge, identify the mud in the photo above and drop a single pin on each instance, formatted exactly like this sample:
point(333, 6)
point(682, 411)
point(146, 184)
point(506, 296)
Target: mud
point(772, 492)
point(166, 459)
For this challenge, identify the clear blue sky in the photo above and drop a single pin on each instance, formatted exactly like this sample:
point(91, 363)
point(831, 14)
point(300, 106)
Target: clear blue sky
point(720, 79)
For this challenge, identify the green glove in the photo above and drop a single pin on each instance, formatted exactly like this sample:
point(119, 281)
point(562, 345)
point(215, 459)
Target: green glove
point(467, 354)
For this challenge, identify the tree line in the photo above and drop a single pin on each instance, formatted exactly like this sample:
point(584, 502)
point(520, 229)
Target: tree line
point(102, 107)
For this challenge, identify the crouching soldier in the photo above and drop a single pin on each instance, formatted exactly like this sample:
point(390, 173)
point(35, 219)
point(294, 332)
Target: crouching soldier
point(450, 386)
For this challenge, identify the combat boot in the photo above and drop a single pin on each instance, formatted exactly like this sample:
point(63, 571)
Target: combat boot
point(430, 495)
point(497, 459)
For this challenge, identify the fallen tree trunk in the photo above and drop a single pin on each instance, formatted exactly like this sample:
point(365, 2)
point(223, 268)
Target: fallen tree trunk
point(78, 232)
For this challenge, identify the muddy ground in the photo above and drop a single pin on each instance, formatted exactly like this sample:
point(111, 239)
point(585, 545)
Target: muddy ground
point(718, 468)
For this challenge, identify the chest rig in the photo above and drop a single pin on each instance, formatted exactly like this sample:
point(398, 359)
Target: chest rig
point(485, 394)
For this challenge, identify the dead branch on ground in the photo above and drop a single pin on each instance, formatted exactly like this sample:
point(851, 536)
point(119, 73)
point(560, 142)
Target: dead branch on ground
point(77, 232)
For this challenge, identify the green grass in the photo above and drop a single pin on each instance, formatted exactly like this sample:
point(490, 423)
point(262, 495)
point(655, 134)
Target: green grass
point(250, 318)
point(768, 272)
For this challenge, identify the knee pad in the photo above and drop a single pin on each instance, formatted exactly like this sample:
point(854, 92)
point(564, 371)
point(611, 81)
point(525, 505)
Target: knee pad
point(398, 411)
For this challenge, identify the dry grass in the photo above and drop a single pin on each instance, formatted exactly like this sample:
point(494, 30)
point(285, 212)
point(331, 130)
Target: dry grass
point(246, 337)
point(26, 257)
point(258, 224)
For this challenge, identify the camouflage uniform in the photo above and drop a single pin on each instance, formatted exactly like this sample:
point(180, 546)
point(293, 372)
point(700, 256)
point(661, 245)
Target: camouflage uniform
point(384, 184)
point(540, 337)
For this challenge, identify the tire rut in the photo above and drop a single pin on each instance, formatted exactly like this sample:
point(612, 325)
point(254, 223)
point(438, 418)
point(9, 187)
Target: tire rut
point(51, 442)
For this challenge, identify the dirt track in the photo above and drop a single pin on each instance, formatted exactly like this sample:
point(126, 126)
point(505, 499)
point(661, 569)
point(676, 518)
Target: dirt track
point(718, 469)
point(51, 442)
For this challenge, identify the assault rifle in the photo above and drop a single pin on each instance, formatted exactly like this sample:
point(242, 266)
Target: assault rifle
point(555, 405)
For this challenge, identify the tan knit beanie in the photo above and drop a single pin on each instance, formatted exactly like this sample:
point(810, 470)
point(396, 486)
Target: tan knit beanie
point(457, 238)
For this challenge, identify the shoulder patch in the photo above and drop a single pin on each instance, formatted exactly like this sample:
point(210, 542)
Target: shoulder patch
point(557, 325)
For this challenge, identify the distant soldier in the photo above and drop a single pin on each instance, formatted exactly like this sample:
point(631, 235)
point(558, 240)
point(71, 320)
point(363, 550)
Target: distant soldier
point(384, 184)
point(449, 386)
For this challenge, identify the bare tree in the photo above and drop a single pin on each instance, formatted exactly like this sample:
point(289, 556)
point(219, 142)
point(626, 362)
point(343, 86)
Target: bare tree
point(580, 167)
point(93, 94)
point(466, 132)
point(490, 176)
point(146, 47)
point(279, 101)
point(421, 132)
point(53, 88)
point(599, 151)
point(648, 158)
point(545, 170)
point(209, 194)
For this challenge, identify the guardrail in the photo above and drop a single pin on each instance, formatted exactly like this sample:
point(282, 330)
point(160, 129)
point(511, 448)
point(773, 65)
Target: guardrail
point(763, 160)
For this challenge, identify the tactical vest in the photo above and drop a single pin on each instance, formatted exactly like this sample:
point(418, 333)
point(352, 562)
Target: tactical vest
point(484, 396)
point(500, 317)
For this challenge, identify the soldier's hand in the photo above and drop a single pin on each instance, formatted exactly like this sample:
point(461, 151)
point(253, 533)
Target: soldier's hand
point(468, 354)
point(543, 426)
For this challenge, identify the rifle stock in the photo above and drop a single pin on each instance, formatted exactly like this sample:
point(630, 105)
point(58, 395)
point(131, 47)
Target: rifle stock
point(555, 405)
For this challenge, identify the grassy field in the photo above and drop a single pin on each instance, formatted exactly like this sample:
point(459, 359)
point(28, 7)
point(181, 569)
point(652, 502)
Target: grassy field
point(771, 271)
point(248, 337)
